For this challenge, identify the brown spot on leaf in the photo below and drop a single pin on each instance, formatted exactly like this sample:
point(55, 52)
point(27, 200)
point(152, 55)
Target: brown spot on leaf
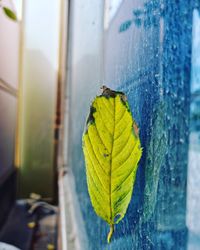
point(136, 129)
point(105, 155)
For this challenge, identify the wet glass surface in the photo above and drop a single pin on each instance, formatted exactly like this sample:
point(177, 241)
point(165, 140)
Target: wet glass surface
point(145, 49)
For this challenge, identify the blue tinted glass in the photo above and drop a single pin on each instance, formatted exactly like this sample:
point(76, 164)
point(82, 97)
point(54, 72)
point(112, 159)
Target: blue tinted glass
point(145, 49)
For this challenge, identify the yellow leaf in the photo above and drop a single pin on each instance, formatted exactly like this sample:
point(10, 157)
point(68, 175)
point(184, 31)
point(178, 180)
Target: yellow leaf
point(31, 224)
point(112, 150)
point(50, 247)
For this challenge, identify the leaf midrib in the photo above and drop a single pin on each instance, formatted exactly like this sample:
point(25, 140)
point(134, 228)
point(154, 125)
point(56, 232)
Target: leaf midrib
point(111, 155)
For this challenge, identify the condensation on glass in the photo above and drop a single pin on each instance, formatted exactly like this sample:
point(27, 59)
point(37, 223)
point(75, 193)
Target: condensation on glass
point(149, 50)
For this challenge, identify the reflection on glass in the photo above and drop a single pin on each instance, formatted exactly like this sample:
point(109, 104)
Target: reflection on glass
point(193, 194)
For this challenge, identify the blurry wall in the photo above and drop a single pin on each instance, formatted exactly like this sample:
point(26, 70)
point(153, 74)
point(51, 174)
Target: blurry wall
point(9, 74)
point(40, 50)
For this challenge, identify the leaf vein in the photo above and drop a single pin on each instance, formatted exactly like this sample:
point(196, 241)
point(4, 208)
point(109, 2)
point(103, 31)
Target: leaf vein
point(104, 123)
point(101, 138)
point(91, 177)
point(126, 177)
point(107, 108)
point(89, 140)
point(92, 164)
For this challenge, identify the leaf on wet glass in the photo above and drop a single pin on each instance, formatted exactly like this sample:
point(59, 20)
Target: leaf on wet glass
point(112, 150)
point(9, 13)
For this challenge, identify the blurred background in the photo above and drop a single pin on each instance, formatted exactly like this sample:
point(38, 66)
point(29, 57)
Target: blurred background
point(54, 57)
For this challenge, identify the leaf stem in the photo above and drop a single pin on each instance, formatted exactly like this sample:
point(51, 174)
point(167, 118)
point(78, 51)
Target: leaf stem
point(110, 233)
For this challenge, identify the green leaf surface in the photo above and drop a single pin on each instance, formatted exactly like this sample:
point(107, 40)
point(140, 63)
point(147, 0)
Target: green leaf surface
point(112, 150)
point(9, 13)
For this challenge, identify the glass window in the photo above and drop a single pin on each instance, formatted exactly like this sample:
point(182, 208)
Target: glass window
point(143, 48)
